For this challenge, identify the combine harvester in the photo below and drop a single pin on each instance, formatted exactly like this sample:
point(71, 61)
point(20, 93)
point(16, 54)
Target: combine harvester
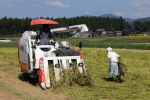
point(35, 59)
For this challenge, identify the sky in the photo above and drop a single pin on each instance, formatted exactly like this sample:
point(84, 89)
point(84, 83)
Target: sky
point(72, 8)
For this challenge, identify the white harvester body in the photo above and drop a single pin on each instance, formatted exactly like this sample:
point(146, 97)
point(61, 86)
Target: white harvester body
point(34, 59)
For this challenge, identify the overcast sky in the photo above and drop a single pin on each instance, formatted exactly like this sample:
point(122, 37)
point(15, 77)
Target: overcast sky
point(71, 8)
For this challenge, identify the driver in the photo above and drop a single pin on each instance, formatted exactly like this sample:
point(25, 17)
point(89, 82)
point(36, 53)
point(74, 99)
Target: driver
point(43, 34)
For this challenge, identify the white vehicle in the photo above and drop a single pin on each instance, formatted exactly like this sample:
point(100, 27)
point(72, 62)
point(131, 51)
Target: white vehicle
point(5, 40)
point(34, 59)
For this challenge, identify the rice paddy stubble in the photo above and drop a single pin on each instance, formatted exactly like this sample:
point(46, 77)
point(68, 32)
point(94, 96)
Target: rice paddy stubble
point(136, 81)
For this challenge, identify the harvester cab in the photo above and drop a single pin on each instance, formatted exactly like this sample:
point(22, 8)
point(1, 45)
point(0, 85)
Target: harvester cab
point(34, 59)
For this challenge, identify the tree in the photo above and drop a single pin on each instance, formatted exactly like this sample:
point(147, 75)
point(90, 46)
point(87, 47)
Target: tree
point(16, 26)
point(139, 26)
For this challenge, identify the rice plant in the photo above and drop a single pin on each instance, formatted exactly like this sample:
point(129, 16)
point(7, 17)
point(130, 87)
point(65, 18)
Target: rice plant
point(122, 68)
point(71, 77)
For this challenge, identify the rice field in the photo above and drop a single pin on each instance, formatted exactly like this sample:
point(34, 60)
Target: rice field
point(135, 84)
point(123, 42)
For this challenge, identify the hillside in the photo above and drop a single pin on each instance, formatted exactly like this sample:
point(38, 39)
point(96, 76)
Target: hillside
point(143, 19)
point(109, 15)
point(126, 19)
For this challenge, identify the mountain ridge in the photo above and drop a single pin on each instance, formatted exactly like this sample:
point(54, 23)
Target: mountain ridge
point(129, 20)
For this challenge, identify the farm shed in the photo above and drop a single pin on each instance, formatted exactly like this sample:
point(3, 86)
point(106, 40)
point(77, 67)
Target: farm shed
point(132, 34)
point(109, 33)
point(95, 34)
point(89, 34)
point(118, 33)
point(128, 33)
point(125, 33)
point(102, 32)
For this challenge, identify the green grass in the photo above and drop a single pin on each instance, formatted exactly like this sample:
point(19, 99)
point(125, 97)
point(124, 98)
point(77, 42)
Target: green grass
point(14, 43)
point(127, 42)
point(135, 84)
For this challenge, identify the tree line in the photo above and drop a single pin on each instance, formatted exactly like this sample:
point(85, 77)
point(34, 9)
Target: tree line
point(141, 26)
point(16, 26)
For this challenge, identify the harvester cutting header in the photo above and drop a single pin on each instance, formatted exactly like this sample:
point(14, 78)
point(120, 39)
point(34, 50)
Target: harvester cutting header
point(35, 59)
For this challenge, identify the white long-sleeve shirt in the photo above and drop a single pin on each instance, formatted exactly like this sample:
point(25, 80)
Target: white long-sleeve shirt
point(113, 56)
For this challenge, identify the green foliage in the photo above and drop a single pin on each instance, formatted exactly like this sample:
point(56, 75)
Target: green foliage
point(140, 26)
point(15, 26)
point(138, 32)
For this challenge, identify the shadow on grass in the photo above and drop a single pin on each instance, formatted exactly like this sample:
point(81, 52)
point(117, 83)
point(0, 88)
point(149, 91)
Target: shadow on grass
point(20, 77)
point(114, 80)
point(106, 79)
point(26, 78)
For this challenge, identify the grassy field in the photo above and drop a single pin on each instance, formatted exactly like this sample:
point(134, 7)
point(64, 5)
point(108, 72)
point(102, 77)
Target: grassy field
point(127, 42)
point(123, 42)
point(135, 84)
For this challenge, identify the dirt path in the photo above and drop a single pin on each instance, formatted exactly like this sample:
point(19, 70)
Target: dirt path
point(6, 95)
point(11, 88)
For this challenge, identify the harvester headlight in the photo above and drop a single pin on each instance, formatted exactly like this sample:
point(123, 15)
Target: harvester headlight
point(80, 64)
point(57, 65)
point(46, 54)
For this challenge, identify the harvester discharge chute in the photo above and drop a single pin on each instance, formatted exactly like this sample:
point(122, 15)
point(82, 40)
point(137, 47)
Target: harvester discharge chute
point(34, 59)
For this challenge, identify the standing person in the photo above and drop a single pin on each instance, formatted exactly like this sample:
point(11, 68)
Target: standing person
point(113, 66)
point(43, 34)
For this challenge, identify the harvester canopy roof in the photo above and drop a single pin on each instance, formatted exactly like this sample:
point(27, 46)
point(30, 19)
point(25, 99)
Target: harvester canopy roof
point(42, 21)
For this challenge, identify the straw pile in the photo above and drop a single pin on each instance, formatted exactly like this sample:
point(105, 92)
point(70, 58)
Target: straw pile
point(122, 68)
point(71, 77)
